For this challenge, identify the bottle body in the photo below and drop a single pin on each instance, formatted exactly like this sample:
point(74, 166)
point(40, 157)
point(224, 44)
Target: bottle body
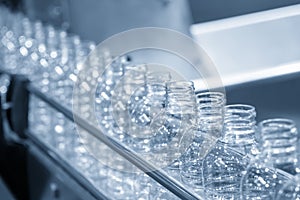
point(262, 180)
point(171, 125)
point(223, 169)
point(145, 105)
point(210, 106)
point(178, 115)
point(225, 164)
point(265, 174)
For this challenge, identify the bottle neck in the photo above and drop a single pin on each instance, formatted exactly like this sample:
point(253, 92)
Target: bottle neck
point(27, 28)
point(210, 107)
point(239, 125)
point(39, 32)
point(181, 98)
point(279, 140)
point(156, 87)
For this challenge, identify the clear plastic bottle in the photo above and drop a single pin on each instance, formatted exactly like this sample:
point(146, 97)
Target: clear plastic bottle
point(39, 117)
point(225, 164)
point(134, 77)
point(205, 133)
point(145, 104)
point(223, 168)
point(263, 179)
point(106, 89)
point(210, 117)
point(240, 128)
point(10, 40)
point(280, 140)
point(170, 126)
point(178, 116)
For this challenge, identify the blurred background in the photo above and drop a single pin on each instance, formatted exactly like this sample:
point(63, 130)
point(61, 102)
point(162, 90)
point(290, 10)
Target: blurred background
point(98, 19)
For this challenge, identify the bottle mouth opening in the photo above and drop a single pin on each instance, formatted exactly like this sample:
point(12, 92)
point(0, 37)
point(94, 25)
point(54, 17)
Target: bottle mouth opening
point(159, 77)
point(210, 99)
point(237, 112)
point(239, 108)
point(213, 95)
point(180, 84)
point(239, 123)
point(140, 69)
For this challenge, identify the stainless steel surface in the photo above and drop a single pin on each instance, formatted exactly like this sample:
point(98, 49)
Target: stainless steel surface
point(254, 46)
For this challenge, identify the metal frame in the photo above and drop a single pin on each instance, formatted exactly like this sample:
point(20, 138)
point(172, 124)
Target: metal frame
point(157, 174)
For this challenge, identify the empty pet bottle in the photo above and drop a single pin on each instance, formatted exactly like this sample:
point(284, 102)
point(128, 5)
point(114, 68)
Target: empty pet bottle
point(240, 128)
point(171, 124)
point(134, 77)
point(106, 89)
point(262, 179)
point(207, 129)
point(225, 164)
point(280, 140)
point(223, 168)
point(145, 104)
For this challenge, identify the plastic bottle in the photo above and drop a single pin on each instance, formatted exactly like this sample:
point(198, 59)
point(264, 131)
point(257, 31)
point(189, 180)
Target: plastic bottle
point(205, 133)
point(240, 128)
point(280, 140)
point(262, 178)
point(171, 125)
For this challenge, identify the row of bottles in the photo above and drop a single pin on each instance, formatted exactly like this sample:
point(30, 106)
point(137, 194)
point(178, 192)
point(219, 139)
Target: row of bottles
point(217, 150)
point(52, 60)
point(226, 155)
